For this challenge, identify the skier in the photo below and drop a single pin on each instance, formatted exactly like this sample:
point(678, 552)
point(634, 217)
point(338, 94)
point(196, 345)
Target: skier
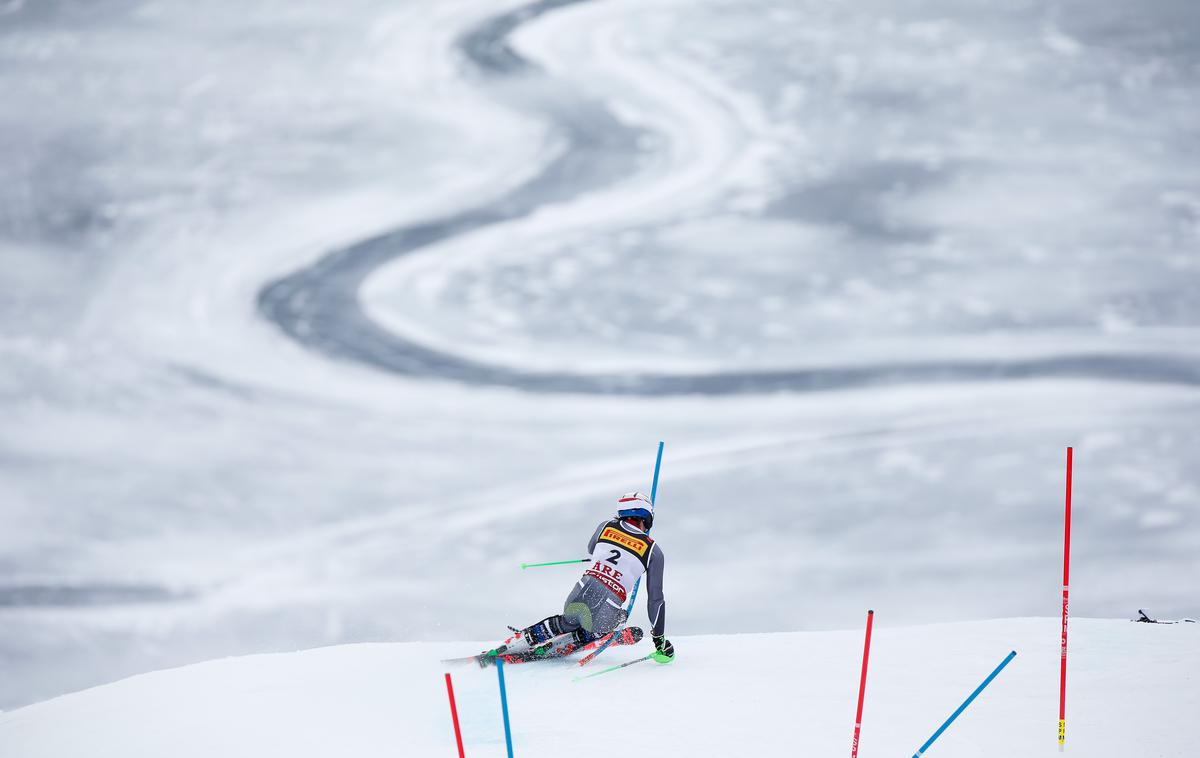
point(621, 551)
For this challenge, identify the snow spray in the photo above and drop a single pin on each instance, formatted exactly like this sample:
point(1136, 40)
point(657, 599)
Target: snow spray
point(862, 686)
point(966, 702)
point(504, 706)
point(1062, 677)
point(454, 716)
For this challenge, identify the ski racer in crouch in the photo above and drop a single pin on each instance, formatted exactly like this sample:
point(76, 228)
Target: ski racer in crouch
point(621, 552)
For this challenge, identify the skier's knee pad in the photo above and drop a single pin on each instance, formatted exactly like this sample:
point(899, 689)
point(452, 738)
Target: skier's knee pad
point(578, 615)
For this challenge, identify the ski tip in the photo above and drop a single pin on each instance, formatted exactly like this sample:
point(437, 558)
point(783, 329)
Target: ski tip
point(459, 661)
point(524, 566)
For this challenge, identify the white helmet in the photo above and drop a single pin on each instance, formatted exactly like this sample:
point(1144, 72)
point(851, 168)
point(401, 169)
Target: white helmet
point(636, 505)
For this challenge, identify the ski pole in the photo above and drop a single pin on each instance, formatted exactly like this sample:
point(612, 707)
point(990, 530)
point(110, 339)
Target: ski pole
point(638, 583)
point(966, 702)
point(554, 563)
point(614, 668)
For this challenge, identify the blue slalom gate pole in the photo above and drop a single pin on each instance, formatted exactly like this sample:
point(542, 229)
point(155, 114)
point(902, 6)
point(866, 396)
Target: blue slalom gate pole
point(638, 583)
point(966, 702)
point(653, 494)
point(657, 468)
point(504, 706)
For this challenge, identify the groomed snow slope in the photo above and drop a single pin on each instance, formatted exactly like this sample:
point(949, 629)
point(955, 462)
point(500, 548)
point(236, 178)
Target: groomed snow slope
point(1134, 690)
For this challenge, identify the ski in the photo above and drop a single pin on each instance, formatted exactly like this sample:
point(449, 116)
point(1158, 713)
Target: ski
point(498, 650)
point(600, 645)
point(627, 636)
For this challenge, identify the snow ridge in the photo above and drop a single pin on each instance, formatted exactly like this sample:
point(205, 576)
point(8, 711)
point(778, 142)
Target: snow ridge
point(1131, 691)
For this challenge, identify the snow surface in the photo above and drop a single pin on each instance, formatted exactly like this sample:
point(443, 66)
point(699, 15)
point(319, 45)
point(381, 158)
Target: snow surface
point(823, 184)
point(1134, 690)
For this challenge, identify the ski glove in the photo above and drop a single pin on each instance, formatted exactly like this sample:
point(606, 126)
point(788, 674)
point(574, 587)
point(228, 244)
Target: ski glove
point(663, 646)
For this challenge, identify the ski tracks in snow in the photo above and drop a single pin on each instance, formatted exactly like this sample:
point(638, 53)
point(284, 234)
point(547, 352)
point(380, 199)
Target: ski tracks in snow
point(650, 156)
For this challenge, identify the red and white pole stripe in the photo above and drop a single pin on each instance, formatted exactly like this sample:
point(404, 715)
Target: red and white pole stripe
point(862, 686)
point(1062, 681)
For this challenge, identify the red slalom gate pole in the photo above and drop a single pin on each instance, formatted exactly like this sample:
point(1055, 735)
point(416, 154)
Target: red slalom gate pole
point(454, 716)
point(1062, 679)
point(862, 686)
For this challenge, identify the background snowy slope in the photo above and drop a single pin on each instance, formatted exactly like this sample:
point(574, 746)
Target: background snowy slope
point(1133, 691)
point(812, 186)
